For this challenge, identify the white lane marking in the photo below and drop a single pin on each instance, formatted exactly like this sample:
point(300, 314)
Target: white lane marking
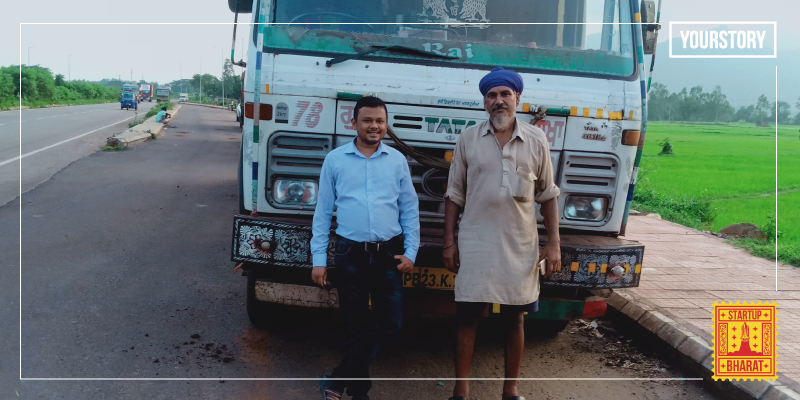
point(61, 142)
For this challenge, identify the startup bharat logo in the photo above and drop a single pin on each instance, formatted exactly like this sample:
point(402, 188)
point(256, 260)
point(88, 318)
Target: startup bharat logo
point(723, 39)
point(745, 341)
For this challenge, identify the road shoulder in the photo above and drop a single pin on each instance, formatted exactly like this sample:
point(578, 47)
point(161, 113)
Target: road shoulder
point(685, 272)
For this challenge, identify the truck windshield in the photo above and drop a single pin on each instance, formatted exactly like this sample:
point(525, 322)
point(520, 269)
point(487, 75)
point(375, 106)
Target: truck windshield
point(127, 95)
point(562, 36)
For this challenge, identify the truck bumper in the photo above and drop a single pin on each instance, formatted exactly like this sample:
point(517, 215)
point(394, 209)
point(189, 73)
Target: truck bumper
point(416, 302)
point(276, 252)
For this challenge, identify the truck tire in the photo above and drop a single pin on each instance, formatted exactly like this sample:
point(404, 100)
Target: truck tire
point(258, 312)
point(544, 328)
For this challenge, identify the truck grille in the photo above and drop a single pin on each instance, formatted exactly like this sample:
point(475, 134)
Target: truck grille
point(584, 173)
point(296, 155)
point(429, 182)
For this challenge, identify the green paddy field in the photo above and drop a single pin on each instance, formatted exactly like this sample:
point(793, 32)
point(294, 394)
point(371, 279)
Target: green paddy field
point(732, 166)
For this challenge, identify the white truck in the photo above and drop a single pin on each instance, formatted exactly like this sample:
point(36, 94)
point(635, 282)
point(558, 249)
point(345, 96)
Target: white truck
point(582, 62)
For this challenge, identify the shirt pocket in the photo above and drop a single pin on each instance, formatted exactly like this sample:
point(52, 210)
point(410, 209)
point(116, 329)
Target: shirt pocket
point(523, 184)
point(386, 184)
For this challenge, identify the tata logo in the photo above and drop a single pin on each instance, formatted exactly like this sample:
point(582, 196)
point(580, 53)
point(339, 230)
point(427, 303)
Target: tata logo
point(450, 138)
point(447, 125)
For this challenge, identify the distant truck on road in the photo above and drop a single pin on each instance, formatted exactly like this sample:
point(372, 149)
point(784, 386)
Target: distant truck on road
point(162, 94)
point(131, 88)
point(146, 91)
point(128, 101)
point(184, 97)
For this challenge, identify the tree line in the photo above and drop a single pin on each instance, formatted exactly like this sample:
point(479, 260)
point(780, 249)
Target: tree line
point(38, 86)
point(212, 85)
point(696, 105)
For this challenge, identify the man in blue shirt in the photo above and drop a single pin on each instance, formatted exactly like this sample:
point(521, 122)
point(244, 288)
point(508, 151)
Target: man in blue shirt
point(162, 115)
point(377, 239)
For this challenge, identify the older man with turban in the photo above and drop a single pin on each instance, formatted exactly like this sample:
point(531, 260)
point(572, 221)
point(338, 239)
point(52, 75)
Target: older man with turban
point(500, 169)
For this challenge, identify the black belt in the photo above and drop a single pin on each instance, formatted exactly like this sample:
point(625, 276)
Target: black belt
point(373, 246)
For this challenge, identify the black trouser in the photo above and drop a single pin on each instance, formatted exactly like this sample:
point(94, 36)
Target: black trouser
point(361, 274)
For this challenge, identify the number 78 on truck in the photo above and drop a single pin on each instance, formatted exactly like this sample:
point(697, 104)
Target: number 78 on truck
point(308, 61)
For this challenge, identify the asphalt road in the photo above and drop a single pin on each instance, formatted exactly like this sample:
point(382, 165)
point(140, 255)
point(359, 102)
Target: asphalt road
point(84, 128)
point(127, 275)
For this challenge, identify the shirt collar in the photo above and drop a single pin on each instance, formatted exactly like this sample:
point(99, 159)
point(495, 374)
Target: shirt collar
point(351, 148)
point(516, 134)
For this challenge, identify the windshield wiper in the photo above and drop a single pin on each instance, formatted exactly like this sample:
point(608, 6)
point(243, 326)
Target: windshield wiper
point(396, 48)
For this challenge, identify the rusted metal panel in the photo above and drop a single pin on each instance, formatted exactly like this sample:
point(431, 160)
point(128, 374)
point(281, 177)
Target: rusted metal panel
point(296, 295)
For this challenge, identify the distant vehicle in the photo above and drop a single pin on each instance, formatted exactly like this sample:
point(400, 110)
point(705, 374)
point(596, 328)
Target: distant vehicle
point(128, 101)
point(132, 88)
point(146, 90)
point(184, 97)
point(162, 94)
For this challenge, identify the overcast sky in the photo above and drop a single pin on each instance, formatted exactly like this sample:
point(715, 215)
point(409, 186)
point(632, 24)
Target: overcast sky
point(166, 52)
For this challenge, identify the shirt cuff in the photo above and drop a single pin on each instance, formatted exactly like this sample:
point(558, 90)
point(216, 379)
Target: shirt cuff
point(411, 255)
point(320, 260)
point(551, 192)
point(455, 196)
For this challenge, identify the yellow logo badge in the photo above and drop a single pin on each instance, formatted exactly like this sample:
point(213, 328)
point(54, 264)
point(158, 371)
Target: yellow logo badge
point(745, 342)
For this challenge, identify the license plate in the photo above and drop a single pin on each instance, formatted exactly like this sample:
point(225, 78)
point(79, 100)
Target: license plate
point(430, 278)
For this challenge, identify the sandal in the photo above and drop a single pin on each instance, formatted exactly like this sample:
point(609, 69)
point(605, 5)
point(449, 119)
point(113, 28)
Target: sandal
point(458, 398)
point(514, 398)
point(327, 392)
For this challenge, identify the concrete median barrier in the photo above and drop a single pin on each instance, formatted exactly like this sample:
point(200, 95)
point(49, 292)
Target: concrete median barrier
point(141, 133)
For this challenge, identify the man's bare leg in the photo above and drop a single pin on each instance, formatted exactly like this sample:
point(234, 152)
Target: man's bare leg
point(465, 344)
point(514, 326)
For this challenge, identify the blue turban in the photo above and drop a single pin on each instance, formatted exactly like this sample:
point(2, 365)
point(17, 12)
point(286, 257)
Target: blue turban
point(501, 77)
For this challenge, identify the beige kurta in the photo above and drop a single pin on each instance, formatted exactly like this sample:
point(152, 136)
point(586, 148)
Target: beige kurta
point(497, 236)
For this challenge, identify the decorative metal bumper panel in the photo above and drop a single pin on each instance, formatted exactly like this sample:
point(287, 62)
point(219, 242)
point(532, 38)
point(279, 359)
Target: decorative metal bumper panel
point(593, 267)
point(273, 243)
point(585, 265)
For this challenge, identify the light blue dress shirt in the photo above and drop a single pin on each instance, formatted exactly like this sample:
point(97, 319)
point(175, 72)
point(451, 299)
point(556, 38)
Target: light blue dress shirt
point(374, 197)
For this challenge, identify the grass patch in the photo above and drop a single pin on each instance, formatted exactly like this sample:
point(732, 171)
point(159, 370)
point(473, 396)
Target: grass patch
point(155, 109)
point(723, 174)
point(9, 104)
point(692, 212)
point(134, 123)
point(739, 160)
point(111, 148)
point(787, 253)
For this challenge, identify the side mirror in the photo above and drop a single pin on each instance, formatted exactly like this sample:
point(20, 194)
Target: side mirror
point(241, 6)
point(649, 26)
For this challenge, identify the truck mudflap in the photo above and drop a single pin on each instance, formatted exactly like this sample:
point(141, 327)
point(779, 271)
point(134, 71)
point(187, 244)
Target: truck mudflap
point(587, 262)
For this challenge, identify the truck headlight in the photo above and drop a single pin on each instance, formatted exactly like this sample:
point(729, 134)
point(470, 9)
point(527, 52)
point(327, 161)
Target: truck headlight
point(585, 208)
point(301, 192)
